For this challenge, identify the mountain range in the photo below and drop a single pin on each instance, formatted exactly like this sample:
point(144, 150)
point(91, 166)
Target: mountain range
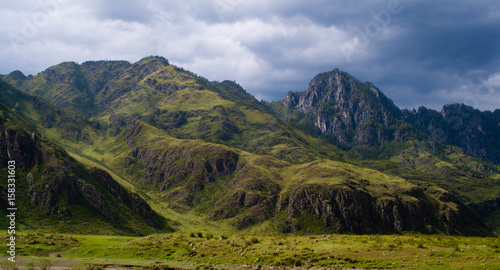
point(147, 147)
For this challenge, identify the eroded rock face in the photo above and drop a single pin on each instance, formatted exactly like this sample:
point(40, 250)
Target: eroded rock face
point(251, 197)
point(59, 179)
point(346, 108)
point(18, 146)
point(463, 126)
point(132, 200)
point(355, 210)
point(190, 166)
point(358, 113)
point(168, 167)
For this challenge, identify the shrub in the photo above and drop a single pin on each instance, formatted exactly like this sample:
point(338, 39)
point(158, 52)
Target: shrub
point(254, 240)
point(8, 265)
point(44, 264)
point(29, 265)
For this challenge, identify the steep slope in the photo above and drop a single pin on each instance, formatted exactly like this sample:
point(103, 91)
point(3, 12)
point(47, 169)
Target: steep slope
point(247, 190)
point(463, 126)
point(185, 105)
point(355, 114)
point(56, 193)
point(209, 150)
point(350, 111)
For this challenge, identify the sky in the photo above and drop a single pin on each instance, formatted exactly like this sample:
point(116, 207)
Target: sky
point(419, 53)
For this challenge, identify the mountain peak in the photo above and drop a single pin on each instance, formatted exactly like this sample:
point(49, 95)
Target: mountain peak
point(155, 60)
point(17, 75)
point(460, 109)
point(341, 105)
point(335, 86)
point(149, 65)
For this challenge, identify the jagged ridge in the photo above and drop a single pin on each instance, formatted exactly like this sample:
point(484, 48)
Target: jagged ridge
point(144, 116)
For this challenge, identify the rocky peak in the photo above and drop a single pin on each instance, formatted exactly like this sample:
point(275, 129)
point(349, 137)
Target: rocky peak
point(336, 88)
point(462, 126)
point(149, 65)
point(69, 73)
point(344, 107)
point(456, 109)
point(290, 100)
point(17, 75)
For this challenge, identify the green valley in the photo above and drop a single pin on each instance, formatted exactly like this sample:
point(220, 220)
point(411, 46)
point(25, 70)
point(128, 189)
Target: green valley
point(336, 176)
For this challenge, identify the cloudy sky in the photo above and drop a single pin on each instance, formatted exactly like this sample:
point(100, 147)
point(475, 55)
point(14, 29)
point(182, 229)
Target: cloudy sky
point(424, 52)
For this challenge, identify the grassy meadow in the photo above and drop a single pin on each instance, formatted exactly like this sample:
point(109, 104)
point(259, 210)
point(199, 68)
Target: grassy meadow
point(198, 250)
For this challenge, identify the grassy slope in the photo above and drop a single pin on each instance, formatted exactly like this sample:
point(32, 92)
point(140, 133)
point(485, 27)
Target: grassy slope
point(83, 219)
point(239, 252)
point(285, 174)
point(212, 117)
point(466, 176)
point(212, 111)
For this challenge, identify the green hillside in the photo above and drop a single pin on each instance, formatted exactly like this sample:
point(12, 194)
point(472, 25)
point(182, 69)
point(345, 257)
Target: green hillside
point(208, 156)
point(55, 193)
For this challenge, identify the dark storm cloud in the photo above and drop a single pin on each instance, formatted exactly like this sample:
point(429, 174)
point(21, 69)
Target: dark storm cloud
point(427, 49)
point(441, 46)
point(418, 52)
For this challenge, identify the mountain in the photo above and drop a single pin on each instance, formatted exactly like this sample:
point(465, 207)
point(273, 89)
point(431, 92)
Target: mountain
point(357, 114)
point(209, 155)
point(463, 126)
point(56, 193)
point(168, 97)
point(350, 111)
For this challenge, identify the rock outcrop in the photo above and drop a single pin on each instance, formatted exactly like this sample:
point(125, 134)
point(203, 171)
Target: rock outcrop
point(345, 208)
point(190, 165)
point(463, 126)
point(351, 111)
point(57, 182)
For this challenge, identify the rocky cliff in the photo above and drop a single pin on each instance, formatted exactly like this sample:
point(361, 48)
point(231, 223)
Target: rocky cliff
point(463, 126)
point(57, 184)
point(350, 209)
point(353, 113)
point(326, 195)
point(349, 110)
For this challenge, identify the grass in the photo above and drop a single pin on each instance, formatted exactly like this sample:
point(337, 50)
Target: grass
point(405, 251)
point(332, 172)
point(192, 100)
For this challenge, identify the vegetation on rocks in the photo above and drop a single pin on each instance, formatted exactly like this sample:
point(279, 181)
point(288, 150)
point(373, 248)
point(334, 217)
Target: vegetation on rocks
point(111, 147)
